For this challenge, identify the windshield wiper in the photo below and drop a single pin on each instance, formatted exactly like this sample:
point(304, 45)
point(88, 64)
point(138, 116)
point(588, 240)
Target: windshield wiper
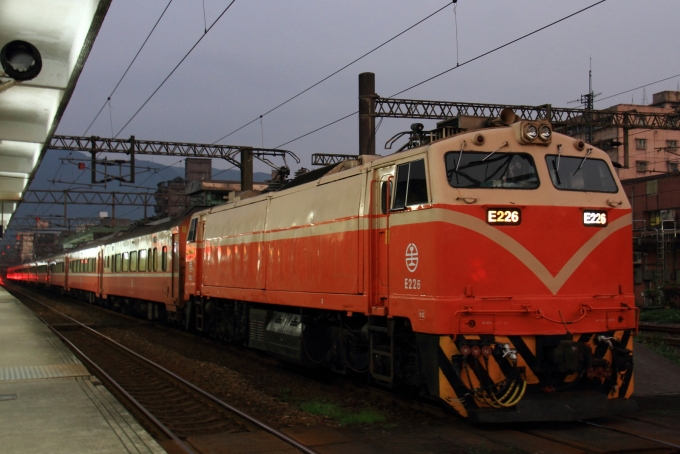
point(557, 167)
point(460, 156)
point(490, 154)
point(584, 160)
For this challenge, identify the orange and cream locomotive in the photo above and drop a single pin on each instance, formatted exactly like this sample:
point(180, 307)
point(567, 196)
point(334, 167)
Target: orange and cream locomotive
point(489, 269)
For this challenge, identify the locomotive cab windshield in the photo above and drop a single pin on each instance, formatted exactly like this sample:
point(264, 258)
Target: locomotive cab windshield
point(570, 173)
point(466, 169)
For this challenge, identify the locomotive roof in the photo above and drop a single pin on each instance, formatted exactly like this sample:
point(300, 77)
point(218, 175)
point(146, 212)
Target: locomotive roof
point(133, 232)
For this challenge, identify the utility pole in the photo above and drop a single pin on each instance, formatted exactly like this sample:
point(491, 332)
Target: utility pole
point(367, 99)
point(588, 102)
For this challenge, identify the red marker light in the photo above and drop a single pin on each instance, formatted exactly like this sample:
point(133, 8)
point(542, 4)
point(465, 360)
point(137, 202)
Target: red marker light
point(590, 373)
point(465, 350)
point(476, 351)
point(486, 351)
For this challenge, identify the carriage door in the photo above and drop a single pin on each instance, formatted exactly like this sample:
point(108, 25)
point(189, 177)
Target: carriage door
point(175, 267)
point(382, 186)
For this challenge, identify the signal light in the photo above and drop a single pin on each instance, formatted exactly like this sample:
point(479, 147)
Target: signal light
point(81, 166)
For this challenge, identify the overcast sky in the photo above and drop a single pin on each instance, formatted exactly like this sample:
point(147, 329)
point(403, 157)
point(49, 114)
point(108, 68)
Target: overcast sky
point(261, 52)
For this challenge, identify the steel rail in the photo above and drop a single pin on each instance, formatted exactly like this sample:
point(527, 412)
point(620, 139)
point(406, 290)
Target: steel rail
point(631, 434)
point(291, 441)
point(167, 432)
point(659, 328)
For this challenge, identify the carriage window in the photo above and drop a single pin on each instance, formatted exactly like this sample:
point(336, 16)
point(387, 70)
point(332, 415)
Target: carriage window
point(411, 186)
point(133, 261)
point(191, 236)
point(491, 170)
point(570, 173)
point(164, 259)
point(142, 260)
point(149, 260)
point(155, 259)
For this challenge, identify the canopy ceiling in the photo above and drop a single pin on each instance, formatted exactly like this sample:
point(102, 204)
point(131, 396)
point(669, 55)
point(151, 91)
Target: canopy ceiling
point(63, 31)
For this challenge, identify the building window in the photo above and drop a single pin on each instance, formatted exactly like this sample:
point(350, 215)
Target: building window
point(642, 166)
point(654, 218)
point(672, 145)
point(672, 166)
point(641, 144)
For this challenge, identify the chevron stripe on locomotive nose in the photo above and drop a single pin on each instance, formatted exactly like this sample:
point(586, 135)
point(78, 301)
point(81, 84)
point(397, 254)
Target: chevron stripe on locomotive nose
point(454, 385)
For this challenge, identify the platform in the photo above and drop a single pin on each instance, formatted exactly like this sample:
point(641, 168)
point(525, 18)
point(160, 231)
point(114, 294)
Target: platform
point(49, 402)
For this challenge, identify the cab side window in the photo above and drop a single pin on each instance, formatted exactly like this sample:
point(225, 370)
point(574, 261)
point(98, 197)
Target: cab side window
point(411, 185)
point(191, 236)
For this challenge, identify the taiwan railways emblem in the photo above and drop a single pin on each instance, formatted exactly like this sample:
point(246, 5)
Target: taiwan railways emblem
point(411, 257)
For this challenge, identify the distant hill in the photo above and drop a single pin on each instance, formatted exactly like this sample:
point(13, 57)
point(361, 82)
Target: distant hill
point(59, 171)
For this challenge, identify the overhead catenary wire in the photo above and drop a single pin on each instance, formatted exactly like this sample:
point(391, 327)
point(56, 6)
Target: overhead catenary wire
point(333, 73)
point(127, 69)
point(498, 48)
point(637, 88)
point(453, 68)
point(175, 68)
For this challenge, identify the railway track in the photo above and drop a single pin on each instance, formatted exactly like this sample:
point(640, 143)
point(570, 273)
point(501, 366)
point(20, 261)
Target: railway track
point(172, 409)
point(669, 330)
point(606, 435)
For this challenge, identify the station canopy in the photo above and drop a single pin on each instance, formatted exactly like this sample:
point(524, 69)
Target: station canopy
point(63, 32)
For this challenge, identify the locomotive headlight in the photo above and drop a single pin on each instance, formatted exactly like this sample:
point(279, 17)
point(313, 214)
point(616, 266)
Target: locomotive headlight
point(531, 132)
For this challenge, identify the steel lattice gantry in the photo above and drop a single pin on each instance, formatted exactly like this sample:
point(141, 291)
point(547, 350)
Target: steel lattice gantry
point(52, 222)
point(371, 106)
point(112, 199)
point(558, 116)
point(155, 147)
point(133, 146)
point(69, 197)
